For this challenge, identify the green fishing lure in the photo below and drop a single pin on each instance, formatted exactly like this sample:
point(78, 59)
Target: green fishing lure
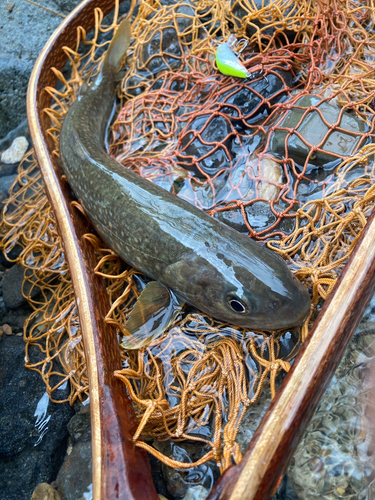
point(227, 61)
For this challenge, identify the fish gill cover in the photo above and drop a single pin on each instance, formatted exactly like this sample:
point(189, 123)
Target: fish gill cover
point(285, 156)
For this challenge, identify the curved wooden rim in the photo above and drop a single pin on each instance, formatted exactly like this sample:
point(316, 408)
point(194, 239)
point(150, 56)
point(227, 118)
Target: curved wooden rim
point(120, 470)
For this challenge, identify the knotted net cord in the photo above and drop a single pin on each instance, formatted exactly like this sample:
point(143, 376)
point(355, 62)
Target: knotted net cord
point(202, 373)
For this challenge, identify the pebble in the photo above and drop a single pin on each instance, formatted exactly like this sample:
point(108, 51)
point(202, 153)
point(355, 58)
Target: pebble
point(7, 329)
point(196, 493)
point(270, 171)
point(15, 153)
point(44, 491)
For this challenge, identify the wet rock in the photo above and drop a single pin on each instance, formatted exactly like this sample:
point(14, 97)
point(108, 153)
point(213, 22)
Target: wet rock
point(248, 99)
point(13, 286)
point(6, 183)
point(253, 24)
point(23, 33)
point(33, 432)
point(12, 254)
point(201, 140)
point(45, 491)
point(15, 318)
point(179, 482)
point(157, 476)
point(260, 217)
point(337, 143)
point(15, 152)
point(163, 51)
point(75, 476)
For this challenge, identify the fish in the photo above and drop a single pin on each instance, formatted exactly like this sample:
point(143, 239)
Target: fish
point(189, 256)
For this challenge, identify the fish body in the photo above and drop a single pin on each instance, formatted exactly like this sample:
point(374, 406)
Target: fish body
point(204, 262)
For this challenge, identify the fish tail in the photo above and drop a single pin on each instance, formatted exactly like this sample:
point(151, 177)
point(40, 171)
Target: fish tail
point(118, 47)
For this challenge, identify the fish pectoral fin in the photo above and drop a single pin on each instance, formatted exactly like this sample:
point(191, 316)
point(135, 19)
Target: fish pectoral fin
point(154, 311)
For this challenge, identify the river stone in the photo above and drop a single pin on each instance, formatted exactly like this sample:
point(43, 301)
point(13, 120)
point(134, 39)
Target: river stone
point(27, 457)
point(211, 130)
point(75, 476)
point(248, 99)
point(238, 9)
point(12, 287)
point(44, 491)
point(168, 46)
point(313, 130)
point(15, 152)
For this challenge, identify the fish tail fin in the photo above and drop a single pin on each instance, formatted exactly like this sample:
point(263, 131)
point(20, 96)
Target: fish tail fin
point(118, 47)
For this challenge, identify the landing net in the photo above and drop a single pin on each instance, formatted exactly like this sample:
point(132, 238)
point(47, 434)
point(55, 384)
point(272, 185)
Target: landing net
point(286, 157)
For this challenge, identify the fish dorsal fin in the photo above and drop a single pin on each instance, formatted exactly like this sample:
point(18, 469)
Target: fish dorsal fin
point(118, 47)
point(154, 311)
point(228, 63)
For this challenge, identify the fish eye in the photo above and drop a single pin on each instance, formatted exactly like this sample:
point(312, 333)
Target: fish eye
point(237, 305)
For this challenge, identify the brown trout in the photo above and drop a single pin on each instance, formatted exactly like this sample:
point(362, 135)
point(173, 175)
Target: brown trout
point(192, 257)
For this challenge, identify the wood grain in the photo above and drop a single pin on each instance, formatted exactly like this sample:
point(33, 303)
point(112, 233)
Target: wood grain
point(273, 444)
point(120, 470)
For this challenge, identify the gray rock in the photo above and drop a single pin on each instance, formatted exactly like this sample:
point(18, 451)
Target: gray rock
point(12, 287)
point(33, 432)
point(313, 130)
point(239, 10)
point(23, 33)
point(75, 475)
point(21, 129)
point(6, 183)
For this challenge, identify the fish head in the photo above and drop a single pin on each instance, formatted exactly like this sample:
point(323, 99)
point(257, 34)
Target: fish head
point(248, 287)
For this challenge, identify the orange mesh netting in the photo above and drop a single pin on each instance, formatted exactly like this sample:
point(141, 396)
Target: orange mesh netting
point(285, 156)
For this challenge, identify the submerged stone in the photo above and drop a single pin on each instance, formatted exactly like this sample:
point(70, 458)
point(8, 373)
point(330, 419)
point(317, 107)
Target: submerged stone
point(183, 483)
point(163, 51)
point(249, 99)
point(305, 118)
point(199, 151)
